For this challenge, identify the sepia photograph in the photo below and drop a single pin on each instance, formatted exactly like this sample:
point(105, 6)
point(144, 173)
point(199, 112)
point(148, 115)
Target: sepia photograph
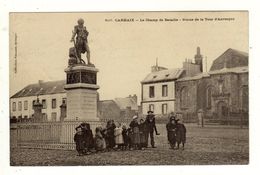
point(129, 88)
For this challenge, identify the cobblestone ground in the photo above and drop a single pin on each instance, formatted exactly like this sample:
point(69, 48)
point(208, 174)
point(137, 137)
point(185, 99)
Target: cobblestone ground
point(205, 146)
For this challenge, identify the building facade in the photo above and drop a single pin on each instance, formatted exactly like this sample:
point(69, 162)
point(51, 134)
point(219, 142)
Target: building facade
point(158, 91)
point(50, 94)
point(158, 87)
point(221, 93)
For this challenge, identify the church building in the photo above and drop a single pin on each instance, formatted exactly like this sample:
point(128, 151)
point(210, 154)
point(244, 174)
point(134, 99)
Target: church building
point(221, 93)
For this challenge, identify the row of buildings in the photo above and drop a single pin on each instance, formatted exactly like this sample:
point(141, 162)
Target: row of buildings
point(52, 96)
point(220, 92)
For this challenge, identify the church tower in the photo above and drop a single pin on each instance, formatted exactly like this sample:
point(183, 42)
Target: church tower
point(198, 59)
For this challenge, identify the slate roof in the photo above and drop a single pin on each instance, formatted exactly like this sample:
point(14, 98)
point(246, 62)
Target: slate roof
point(238, 70)
point(230, 58)
point(123, 103)
point(163, 75)
point(196, 77)
point(50, 87)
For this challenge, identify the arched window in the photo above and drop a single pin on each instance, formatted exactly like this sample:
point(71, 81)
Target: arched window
point(184, 97)
point(209, 95)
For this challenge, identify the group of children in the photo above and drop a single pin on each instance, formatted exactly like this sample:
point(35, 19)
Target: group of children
point(112, 137)
point(176, 133)
point(116, 137)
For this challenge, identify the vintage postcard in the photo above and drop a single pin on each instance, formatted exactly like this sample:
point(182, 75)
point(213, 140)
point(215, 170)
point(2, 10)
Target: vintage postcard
point(129, 88)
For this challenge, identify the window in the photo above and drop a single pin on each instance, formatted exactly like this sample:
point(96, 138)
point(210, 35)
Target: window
point(184, 96)
point(64, 100)
point(33, 102)
point(25, 105)
point(54, 116)
point(44, 117)
point(164, 90)
point(53, 103)
point(209, 94)
point(19, 105)
point(164, 108)
point(14, 106)
point(151, 91)
point(44, 106)
point(151, 107)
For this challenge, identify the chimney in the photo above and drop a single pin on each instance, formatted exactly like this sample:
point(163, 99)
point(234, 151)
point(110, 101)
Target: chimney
point(134, 97)
point(40, 82)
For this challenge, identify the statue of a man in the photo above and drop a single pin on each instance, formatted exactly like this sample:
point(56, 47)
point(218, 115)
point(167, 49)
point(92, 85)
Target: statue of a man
point(81, 44)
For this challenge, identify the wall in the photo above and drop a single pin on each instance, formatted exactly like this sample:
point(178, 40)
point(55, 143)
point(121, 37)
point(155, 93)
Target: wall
point(232, 84)
point(158, 107)
point(158, 91)
point(158, 99)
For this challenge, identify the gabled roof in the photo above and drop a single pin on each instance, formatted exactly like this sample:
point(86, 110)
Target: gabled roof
point(163, 75)
point(43, 88)
point(123, 103)
point(230, 58)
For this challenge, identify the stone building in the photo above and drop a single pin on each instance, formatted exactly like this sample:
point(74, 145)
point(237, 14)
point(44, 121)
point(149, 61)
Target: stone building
point(222, 93)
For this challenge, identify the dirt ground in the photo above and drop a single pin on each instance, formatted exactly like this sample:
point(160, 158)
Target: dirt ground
point(205, 146)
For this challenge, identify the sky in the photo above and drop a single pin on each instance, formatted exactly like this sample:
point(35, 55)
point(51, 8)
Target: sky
point(122, 51)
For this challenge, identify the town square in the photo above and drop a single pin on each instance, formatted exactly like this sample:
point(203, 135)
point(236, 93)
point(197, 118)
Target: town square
point(111, 89)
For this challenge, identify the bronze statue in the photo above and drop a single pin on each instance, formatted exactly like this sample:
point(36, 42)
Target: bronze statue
point(81, 44)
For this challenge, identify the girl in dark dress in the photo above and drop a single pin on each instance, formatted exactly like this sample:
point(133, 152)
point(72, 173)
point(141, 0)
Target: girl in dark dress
point(143, 133)
point(136, 135)
point(110, 134)
point(79, 140)
point(171, 132)
point(180, 134)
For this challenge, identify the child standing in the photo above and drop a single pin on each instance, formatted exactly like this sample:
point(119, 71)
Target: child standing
point(79, 140)
point(171, 132)
point(136, 135)
point(99, 140)
point(180, 134)
point(142, 131)
point(118, 136)
point(125, 137)
point(88, 137)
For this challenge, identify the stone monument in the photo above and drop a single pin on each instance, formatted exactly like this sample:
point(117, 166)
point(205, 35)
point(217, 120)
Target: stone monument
point(37, 107)
point(81, 85)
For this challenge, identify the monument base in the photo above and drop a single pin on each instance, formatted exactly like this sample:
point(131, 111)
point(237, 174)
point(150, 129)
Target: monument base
point(82, 93)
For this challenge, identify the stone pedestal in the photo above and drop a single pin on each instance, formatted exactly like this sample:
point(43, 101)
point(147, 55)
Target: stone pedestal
point(81, 89)
point(82, 95)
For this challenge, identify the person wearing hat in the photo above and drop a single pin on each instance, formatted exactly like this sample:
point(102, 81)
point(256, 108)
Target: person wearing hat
point(81, 44)
point(151, 127)
point(134, 125)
